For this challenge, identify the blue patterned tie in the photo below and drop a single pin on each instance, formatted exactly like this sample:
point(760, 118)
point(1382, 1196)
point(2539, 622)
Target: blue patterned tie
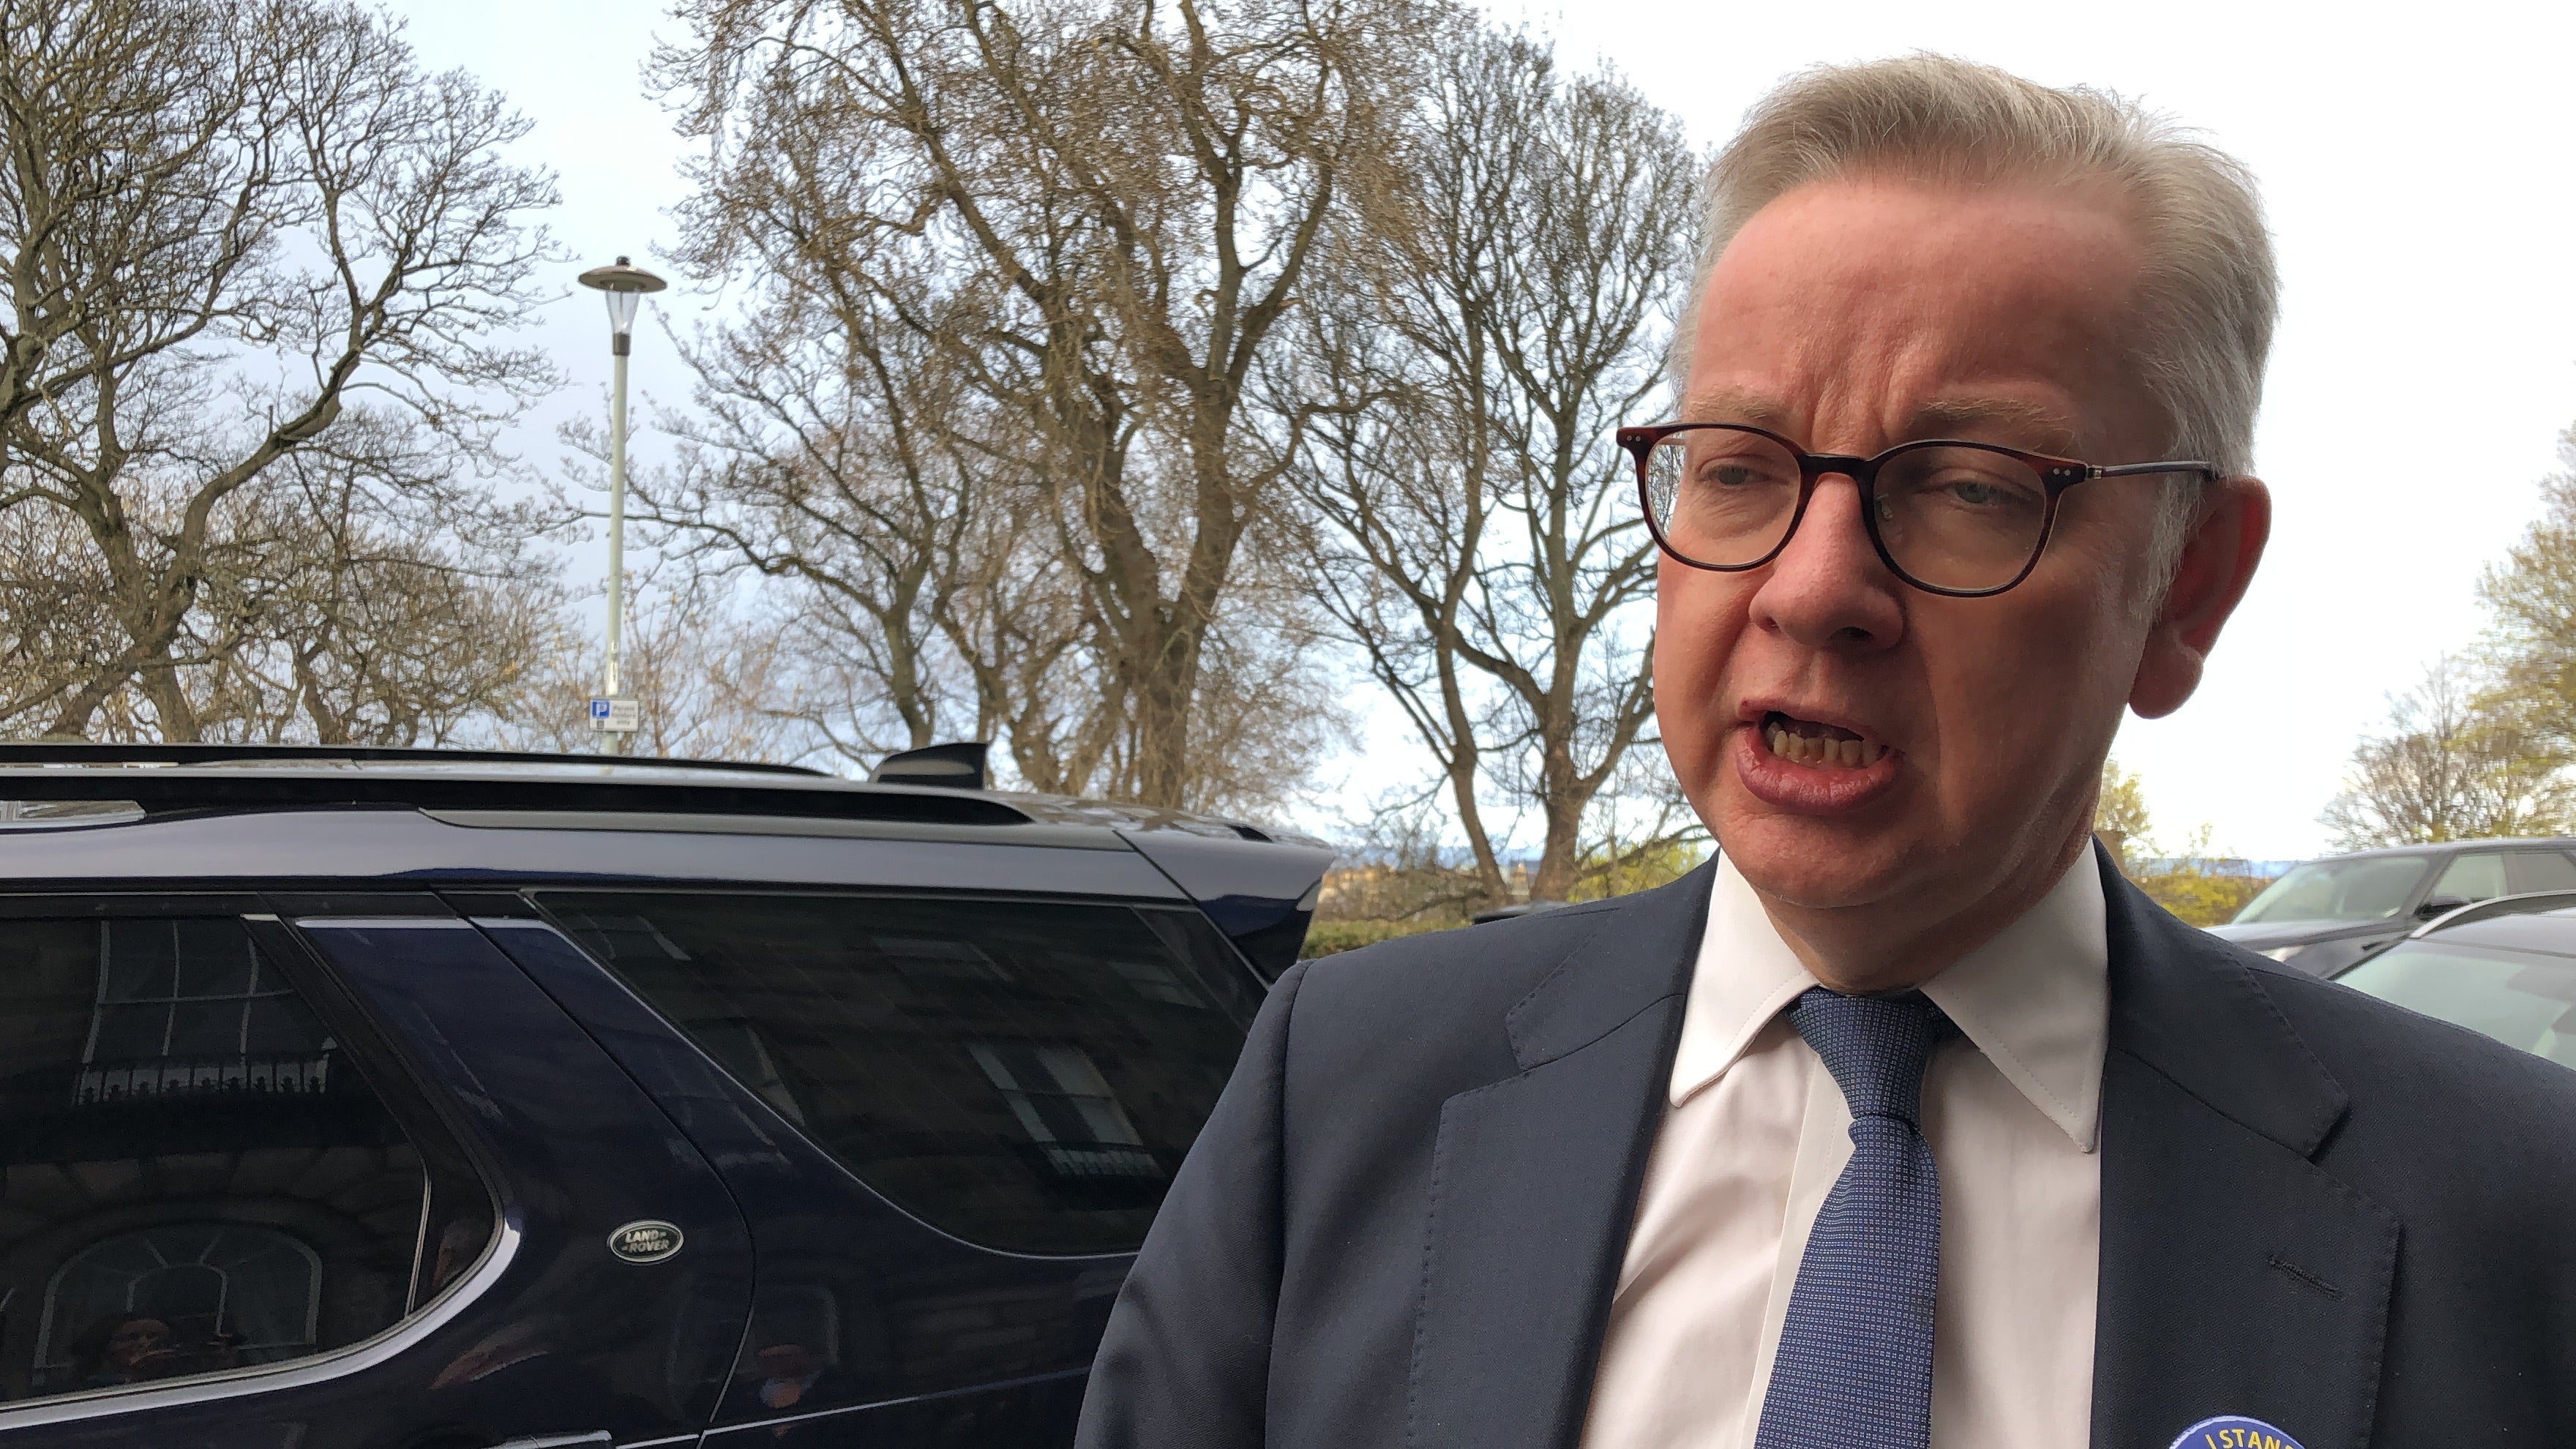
point(1854, 1368)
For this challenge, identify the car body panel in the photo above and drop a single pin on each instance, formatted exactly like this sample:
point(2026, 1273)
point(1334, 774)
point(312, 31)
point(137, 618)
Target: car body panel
point(261, 815)
point(393, 846)
point(826, 1242)
point(401, 881)
point(1260, 894)
point(2551, 933)
point(552, 1334)
point(2510, 975)
point(2319, 948)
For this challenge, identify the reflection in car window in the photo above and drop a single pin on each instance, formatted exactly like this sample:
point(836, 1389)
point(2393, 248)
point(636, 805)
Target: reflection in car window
point(2477, 876)
point(1023, 1074)
point(196, 1180)
point(255, 1291)
point(2525, 1001)
point(2541, 870)
point(2362, 888)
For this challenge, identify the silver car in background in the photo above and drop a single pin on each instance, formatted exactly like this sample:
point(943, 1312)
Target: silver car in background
point(2324, 915)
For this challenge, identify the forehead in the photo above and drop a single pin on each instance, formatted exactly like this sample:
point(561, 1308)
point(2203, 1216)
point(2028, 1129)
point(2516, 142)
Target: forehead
point(1870, 310)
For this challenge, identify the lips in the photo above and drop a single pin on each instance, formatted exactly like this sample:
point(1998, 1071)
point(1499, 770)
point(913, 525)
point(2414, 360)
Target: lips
point(1792, 760)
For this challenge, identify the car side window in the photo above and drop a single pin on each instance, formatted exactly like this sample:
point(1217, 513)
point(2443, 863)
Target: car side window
point(1025, 1075)
point(2540, 870)
point(198, 1178)
point(2476, 876)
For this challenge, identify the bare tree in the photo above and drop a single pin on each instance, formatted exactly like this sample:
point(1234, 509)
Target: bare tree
point(1503, 301)
point(715, 678)
point(1111, 207)
point(2450, 767)
point(221, 224)
point(344, 597)
point(356, 594)
point(832, 446)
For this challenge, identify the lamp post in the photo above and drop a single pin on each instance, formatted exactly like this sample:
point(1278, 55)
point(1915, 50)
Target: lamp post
point(625, 285)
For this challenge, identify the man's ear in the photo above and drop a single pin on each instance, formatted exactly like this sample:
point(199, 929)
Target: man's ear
point(2217, 565)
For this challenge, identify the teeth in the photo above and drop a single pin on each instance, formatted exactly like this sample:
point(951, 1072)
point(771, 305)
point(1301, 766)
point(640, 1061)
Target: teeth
point(1807, 750)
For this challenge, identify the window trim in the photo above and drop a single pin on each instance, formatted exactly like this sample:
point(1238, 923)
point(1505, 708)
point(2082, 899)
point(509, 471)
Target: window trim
point(366, 1353)
point(424, 1116)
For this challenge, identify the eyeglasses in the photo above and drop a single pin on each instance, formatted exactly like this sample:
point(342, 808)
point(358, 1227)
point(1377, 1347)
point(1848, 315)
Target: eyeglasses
point(1948, 517)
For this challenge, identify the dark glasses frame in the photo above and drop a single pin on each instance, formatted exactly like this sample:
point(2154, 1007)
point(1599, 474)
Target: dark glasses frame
point(2055, 474)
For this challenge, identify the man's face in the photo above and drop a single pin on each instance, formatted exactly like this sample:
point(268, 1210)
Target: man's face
point(787, 1360)
point(137, 1341)
point(1850, 316)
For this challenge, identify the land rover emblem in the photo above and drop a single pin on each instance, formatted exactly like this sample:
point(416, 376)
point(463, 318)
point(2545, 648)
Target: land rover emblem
point(649, 1241)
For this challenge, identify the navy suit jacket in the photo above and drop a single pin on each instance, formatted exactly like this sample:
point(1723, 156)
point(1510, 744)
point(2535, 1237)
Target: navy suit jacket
point(1403, 1223)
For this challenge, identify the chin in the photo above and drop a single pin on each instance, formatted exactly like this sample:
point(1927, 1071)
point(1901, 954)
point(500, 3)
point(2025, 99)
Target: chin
point(1811, 863)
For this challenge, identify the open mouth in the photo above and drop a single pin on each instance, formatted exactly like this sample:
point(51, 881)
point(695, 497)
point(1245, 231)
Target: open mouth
point(1808, 742)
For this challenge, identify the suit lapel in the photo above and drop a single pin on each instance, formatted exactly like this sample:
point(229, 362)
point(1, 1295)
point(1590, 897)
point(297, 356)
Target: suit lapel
point(2237, 1276)
point(1534, 1185)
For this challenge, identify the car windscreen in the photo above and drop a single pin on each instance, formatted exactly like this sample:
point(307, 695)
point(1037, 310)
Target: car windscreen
point(2364, 888)
point(1023, 1074)
point(2520, 998)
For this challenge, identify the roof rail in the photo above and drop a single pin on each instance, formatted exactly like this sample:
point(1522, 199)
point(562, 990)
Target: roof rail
point(2493, 906)
point(86, 752)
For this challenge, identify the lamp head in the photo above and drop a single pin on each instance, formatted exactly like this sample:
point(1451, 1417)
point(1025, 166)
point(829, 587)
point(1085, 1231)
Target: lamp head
point(625, 285)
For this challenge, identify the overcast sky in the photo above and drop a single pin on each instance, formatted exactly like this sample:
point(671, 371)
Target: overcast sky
point(2420, 168)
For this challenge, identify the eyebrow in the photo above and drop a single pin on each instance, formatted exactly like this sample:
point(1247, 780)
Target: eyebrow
point(1734, 405)
point(2047, 430)
point(2043, 429)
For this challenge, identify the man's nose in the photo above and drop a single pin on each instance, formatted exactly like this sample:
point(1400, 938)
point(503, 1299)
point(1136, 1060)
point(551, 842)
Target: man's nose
point(1829, 588)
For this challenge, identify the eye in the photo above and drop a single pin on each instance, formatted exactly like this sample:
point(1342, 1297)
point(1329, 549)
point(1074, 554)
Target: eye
point(1979, 489)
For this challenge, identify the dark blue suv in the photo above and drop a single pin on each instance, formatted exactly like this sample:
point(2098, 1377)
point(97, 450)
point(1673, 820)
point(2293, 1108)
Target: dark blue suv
point(412, 1100)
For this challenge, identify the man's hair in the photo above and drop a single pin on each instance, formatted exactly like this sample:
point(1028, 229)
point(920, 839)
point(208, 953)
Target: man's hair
point(2204, 314)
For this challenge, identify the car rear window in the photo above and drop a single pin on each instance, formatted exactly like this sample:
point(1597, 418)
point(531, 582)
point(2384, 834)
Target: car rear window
point(2542, 870)
point(197, 1177)
point(2362, 888)
point(2524, 1001)
point(1025, 1075)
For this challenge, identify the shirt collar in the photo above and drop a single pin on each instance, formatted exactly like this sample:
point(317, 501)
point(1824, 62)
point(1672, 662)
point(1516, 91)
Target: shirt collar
point(2035, 1000)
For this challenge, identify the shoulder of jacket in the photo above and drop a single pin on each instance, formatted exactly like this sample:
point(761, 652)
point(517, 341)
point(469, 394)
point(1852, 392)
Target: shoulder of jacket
point(1466, 979)
point(2379, 1050)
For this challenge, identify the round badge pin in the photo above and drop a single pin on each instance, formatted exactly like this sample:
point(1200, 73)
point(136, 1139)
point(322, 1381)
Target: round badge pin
point(647, 1240)
point(2234, 1431)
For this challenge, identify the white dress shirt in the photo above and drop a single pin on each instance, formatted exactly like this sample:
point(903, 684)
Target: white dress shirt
point(1757, 1133)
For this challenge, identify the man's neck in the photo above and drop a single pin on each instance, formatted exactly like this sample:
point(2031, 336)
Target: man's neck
point(1897, 945)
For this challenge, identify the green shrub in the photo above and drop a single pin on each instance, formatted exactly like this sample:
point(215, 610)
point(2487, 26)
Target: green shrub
point(2198, 896)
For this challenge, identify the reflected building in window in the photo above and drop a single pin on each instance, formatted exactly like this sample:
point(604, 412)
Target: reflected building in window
point(221, 1294)
point(192, 1179)
point(190, 1006)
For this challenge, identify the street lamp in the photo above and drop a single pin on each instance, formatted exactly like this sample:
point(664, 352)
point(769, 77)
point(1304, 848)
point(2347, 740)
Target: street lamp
point(625, 285)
